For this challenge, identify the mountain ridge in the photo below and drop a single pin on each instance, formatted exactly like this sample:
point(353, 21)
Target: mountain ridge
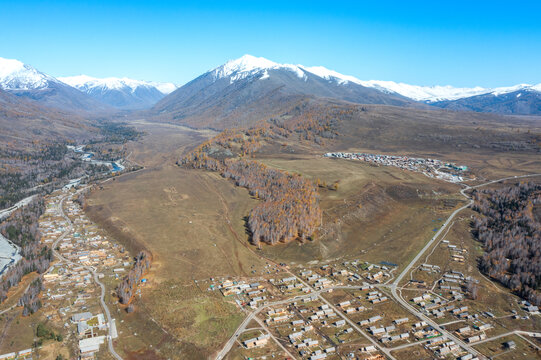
point(246, 90)
point(122, 93)
point(25, 81)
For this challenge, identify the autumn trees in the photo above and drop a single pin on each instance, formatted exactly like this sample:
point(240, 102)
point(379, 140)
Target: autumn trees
point(290, 204)
point(30, 300)
point(290, 207)
point(128, 285)
point(22, 228)
point(511, 236)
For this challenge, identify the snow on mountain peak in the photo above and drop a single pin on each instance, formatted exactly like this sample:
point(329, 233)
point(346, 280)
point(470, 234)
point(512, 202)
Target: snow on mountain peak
point(85, 83)
point(508, 89)
point(164, 88)
point(15, 75)
point(330, 75)
point(249, 65)
point(425, 93)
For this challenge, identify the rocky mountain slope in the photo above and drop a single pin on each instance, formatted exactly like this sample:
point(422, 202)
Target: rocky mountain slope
point(25, 81)
point(246, 90)
point(121, 93)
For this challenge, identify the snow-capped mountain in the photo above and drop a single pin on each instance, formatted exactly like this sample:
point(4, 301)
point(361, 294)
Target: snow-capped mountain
point(15, 75)
point(516, 100)
point(121, 93)
point(505, 100)
point(250, 66)
point(432, 94)
point(248, 89)
point(25, 81)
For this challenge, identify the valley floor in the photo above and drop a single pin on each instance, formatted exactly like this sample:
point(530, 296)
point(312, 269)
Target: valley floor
point(351, 290)
point(194, 224)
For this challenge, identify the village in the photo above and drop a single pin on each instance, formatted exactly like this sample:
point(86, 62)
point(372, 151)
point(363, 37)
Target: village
point(71, 295)
point(332, 310)
point(432, 168)
point(344, 310)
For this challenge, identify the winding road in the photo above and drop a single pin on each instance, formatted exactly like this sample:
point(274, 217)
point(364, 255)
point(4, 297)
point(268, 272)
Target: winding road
point(396, 294)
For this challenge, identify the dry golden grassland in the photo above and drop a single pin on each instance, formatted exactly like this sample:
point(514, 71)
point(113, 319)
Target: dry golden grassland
point(492, 296)
point(377, 213)
point(193, 223)
point(495, 349)
point(418, 352)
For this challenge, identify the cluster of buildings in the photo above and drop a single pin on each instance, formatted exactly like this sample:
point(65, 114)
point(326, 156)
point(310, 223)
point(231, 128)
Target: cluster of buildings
point(19, 355)
point(301, 326)
point(531, 309)
point(438, 306)
point(390, 333)
point(289, 285)
point(444, 348)
point(254, 292)
point(429, 167)
point(314, 329)
point(457, 253)
point(348, 272)
point(71, 296)
point(257, 341)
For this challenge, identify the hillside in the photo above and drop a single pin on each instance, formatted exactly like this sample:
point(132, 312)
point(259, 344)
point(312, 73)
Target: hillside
point(23, 121)
point(521, 102)
point(121, 93)
point(27, 82)
point(244, 91)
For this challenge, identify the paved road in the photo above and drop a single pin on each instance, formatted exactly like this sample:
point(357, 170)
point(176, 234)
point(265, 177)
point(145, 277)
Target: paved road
point(406, 270)
point(387, 351)
point(6, 212)
point(260, 322)
point(89, 268)
point(242, 327)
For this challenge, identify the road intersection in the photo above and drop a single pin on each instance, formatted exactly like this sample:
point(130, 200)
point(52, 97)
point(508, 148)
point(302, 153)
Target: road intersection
point(395, 290)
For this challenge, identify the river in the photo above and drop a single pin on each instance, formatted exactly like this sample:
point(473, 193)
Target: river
point(9, 252)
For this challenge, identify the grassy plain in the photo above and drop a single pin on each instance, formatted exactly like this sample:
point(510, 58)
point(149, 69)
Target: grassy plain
point(496, 349)
point(377, 213)
point(193, 223)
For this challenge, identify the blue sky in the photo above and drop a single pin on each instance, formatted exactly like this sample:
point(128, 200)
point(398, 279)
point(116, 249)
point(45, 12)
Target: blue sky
point(460, 43)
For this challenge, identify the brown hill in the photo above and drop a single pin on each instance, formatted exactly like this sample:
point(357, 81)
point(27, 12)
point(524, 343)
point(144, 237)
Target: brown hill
point(23, 121)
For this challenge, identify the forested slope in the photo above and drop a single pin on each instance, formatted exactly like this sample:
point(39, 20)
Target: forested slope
point(511, 236)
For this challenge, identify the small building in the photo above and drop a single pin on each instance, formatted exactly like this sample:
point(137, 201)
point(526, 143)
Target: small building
point(510, 345)
point(256, 342)
point(84, 316)
point(340, 323)
point(401, 321)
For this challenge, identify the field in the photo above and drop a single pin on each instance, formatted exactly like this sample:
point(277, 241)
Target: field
point(496, 349)
point(379, 213)
point(194, 224)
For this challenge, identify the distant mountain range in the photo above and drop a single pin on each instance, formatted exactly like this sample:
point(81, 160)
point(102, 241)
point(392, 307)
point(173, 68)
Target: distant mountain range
point(25, 81)
point(250, 88)
point(79, 93)
point(246, 90)
point(124, 93)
